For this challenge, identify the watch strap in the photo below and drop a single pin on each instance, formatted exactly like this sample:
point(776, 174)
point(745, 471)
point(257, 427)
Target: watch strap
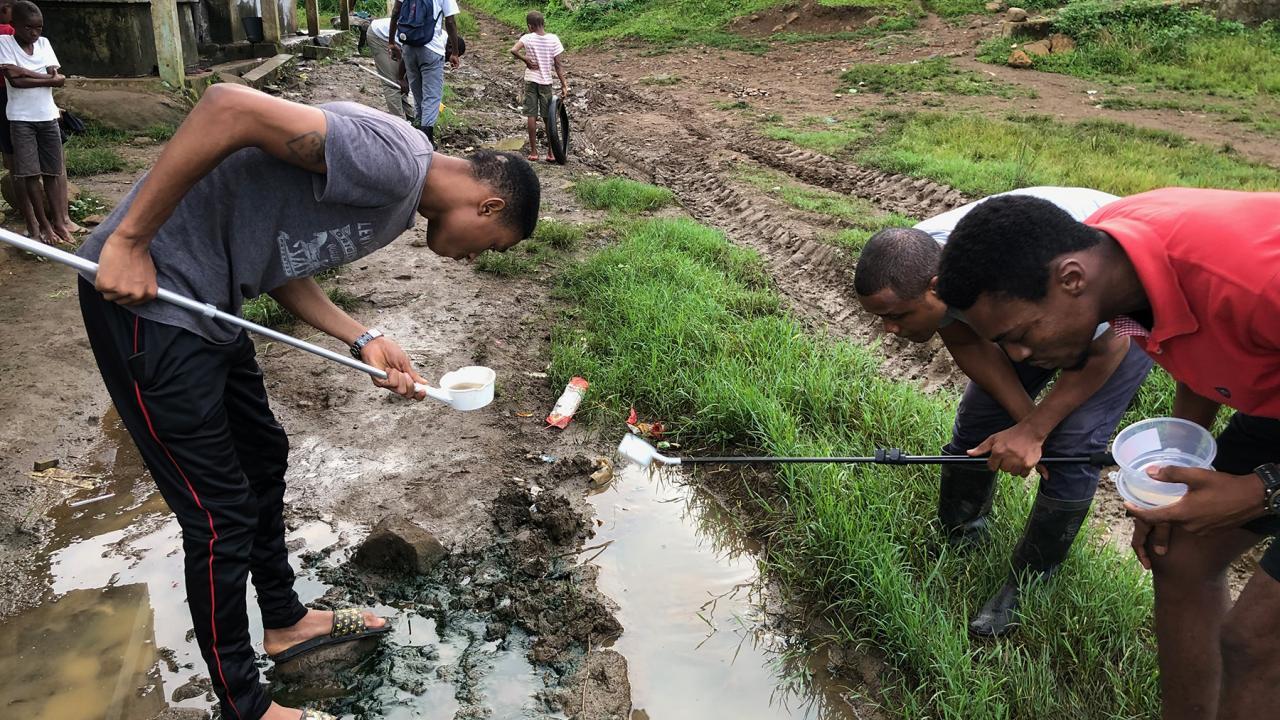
point(1269, 473)
point(368, 336)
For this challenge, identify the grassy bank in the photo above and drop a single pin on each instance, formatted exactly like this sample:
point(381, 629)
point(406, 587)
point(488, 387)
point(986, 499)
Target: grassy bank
point(679, 323)
point(1163, 45)
point(671, 22)
point(979, 155)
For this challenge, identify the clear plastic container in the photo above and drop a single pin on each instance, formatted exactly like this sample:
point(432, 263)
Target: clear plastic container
point(1158, 442)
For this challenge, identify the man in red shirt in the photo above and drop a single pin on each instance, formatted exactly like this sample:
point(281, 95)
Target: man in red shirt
point(1194, 277)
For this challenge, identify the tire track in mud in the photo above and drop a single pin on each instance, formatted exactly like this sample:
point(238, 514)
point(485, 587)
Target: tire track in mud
point(914, 197)
point(813, 275)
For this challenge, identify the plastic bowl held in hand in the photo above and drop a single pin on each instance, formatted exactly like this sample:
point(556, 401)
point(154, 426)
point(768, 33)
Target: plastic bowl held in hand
point(468, 388)
point(1159, 442)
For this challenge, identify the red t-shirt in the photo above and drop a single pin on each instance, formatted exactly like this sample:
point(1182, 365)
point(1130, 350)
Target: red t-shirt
point(1209, 261)
point(6, 29)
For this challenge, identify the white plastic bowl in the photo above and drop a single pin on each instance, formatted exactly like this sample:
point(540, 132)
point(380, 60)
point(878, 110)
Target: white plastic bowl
point(1159, 442)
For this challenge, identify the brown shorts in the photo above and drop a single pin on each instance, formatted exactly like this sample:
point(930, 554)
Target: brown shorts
point(37, 148)
point(536, 98)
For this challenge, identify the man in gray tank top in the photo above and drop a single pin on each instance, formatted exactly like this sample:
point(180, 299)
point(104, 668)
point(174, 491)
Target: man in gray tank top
point(256, 195)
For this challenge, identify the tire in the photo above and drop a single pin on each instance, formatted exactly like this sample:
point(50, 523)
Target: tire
point(557, 124)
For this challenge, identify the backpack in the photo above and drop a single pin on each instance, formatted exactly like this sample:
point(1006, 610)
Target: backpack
point(416, 24)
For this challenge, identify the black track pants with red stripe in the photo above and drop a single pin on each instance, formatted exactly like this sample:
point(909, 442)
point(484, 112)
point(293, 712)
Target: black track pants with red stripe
point(199, 415)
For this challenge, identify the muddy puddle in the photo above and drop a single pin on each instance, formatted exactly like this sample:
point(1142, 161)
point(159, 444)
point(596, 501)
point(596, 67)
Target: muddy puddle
point(112, 640)
point(697, 638)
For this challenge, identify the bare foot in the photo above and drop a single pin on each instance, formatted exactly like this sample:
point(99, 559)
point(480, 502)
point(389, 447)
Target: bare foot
point(316, 623)
point(61, 235)
point(278, 712)
point(74, 228)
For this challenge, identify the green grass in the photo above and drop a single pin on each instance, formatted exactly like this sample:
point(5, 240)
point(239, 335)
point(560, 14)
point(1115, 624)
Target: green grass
point(661, 79)
point(559, 235)
point(954, 8)
point(680, 324)
point(621, 194)
point(863, 218)
point(667, 23)
point(86, 204)
point(264, 310)
point(981, 156)
point(550, 240)
point(826, 135)
point(161, 133)
point(1264, 118)
point(467, 25)
point(94, 152)
point(83, 161)
point(930, 75)
point(1162, 45)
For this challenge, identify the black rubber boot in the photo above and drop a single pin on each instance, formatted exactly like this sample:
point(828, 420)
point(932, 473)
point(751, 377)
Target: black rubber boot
point(430, 132)
point(964, 502)
point(1051, 528)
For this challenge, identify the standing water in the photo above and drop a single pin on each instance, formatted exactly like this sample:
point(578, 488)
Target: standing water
point(695, 637)
point(112, 641)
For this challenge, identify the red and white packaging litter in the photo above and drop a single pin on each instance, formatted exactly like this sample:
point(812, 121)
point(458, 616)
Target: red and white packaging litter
point(568, 403)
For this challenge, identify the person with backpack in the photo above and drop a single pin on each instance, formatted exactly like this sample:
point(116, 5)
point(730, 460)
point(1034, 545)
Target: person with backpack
point(424, 34)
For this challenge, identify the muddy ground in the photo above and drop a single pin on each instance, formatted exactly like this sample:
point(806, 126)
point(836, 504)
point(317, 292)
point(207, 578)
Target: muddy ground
point(359, 455)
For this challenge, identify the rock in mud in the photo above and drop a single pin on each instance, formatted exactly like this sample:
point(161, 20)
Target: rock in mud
point(1016, 15)
point(1059, 43)
point(195, 687)
point(397, 545)
point(1019, 59)
point(608, 690)
point(572, 467)
point(1039, 48)
point(182, 714)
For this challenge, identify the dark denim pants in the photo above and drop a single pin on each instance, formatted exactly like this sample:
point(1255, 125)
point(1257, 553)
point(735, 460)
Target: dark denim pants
point(1086, 430)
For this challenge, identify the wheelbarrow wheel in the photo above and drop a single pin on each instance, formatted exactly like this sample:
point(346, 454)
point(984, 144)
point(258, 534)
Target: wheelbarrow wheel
point(557, 124)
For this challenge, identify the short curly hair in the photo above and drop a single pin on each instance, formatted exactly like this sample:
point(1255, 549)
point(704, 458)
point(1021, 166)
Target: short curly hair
point(1004, 246)
point(515, 180)
point(901, 259)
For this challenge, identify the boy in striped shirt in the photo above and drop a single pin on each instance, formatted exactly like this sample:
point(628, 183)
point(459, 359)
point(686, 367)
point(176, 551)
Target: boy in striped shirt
point(540, 52)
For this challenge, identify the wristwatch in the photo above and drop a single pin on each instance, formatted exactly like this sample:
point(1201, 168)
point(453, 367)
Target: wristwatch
point(367, 337)
point(1270, 474)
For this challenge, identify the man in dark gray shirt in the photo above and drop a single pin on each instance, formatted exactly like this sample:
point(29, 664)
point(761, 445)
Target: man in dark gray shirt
point(256, 195)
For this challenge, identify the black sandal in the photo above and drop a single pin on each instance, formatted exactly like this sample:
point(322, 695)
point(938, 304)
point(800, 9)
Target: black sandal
point(348, 625)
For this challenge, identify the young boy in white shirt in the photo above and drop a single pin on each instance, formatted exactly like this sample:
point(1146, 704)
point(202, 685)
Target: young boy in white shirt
point(540, 52)
point(31, 72)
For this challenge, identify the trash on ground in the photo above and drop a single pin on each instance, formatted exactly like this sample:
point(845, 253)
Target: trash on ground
point(568, 403)
point(604, 471)
point(643, 429)
point(88, 501)
point(84, 481)
point(42, 465)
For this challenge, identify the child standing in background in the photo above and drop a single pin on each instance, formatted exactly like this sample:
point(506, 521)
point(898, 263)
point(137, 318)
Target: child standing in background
point(540, 52)
point(31, 72)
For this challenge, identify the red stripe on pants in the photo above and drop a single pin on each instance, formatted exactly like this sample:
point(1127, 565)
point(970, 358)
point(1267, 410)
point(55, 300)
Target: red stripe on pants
point(213, 606)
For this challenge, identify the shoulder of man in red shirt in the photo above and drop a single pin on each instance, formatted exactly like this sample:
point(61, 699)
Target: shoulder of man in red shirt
point(1209, 262)
point(6, 29)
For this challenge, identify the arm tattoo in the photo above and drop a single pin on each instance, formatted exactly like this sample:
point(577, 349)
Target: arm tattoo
point(308, 148)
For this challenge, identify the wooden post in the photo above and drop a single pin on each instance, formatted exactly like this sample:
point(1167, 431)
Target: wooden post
point(313, 18)
point(168, 35)
point(270, 10)
point(344, 15)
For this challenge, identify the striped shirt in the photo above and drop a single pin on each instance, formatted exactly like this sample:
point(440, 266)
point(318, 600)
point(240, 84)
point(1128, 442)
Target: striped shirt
point(543, 50)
